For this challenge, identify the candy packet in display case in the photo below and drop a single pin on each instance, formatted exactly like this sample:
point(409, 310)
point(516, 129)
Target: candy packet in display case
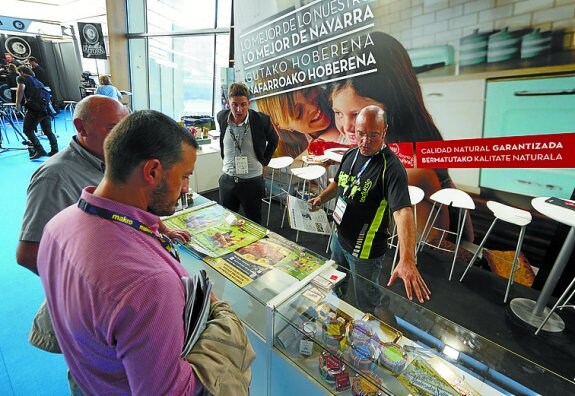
point(385, 332)
point(454, 378)
point(422, 379)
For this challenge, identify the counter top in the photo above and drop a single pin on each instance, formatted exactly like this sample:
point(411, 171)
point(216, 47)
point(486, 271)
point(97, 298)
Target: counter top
point(554, 63)
point(207, 149)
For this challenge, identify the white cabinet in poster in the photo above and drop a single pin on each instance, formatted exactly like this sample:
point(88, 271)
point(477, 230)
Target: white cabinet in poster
point(457, 109)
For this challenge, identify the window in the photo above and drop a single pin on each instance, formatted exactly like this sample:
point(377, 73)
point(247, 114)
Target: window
point(175, 63)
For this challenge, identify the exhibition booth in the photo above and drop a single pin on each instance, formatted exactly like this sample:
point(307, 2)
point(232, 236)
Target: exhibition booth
point(499, 90)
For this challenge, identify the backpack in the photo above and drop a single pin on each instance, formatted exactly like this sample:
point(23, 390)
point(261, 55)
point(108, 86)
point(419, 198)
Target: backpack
point(39, 99)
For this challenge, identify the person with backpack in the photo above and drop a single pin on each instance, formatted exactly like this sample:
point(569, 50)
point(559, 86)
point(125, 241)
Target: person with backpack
point(38, 101)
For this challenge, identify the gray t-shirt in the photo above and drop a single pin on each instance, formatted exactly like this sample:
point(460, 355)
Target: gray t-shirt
point(57, 184)
point(238, 141)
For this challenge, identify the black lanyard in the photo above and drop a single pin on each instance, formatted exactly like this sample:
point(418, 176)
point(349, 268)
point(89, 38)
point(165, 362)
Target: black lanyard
point(135, 224)
point(350, 190)
point(239, 143)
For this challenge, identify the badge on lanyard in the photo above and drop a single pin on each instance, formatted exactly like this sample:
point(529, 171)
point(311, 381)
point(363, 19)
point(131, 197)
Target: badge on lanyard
point(339, 211)
point(241, 161)
point(241, 165)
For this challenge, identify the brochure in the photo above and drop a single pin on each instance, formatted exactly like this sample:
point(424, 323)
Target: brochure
point(303, 219)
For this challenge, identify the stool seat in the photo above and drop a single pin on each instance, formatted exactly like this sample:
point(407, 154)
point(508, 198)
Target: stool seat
point(335, 154)
point(416, 194)
point(309, 172)
point(509, 214)
point(280, 162)
point(454, 197)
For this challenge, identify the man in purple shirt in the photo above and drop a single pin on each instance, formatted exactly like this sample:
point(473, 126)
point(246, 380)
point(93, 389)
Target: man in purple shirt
point(112, 281)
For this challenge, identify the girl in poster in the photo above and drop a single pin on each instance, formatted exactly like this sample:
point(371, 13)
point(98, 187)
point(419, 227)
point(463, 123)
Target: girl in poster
point(300, 117)
point(396, 89)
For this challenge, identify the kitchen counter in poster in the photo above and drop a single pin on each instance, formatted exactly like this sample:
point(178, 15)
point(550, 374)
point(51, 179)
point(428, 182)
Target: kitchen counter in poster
point(558, 62)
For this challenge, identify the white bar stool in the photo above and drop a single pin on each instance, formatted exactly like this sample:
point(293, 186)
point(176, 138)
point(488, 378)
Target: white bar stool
point(560, 304)
point(449, 197)
point(510, 215)
point(278, 163)
point(307, 173)
point(416, 195)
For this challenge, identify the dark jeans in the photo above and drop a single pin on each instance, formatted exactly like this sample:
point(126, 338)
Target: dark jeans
point(366, 294)
point(31, 121)
point(247, 193)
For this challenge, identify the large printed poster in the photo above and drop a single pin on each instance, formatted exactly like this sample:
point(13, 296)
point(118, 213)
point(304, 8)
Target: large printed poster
point(288, 58)
point(312, 65)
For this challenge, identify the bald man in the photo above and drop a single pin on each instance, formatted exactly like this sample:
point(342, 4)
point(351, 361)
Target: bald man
point(371, 186)
point(59, 181)
point(58, 184)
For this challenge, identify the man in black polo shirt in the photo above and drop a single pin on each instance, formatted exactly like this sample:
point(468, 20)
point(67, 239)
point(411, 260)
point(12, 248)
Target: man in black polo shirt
point(371, 186)
point(247, 142)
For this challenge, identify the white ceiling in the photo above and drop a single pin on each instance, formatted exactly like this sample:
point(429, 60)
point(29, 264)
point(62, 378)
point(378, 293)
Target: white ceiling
point(61, 11)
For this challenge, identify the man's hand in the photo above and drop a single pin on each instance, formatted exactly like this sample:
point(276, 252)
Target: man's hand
point(173, 233)
point(413, 281)
point(315, 203)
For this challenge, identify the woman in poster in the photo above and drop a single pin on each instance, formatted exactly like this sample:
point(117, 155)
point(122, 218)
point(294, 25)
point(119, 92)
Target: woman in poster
point(395, 88)
point(299, 117)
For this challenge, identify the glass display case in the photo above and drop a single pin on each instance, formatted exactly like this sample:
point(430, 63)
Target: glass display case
point(400, 349)
point(311, 338)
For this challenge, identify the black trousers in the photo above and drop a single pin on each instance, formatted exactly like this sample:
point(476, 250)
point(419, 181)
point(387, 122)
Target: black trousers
point(244, 193)
point(31, 121)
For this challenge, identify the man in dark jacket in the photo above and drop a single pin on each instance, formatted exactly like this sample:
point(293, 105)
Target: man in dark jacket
point(39, 71)
point(247, 142)
point(38, 112)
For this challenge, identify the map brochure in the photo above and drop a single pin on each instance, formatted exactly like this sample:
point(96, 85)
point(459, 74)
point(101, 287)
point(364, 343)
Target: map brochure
point(211, 234)
point(250, 262)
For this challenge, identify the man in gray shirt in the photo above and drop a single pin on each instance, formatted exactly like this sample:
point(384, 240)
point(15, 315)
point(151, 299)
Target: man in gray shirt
point(247, 142)
point(58, 183)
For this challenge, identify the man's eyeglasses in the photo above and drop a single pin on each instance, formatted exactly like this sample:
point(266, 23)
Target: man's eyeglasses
point(368, 136)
